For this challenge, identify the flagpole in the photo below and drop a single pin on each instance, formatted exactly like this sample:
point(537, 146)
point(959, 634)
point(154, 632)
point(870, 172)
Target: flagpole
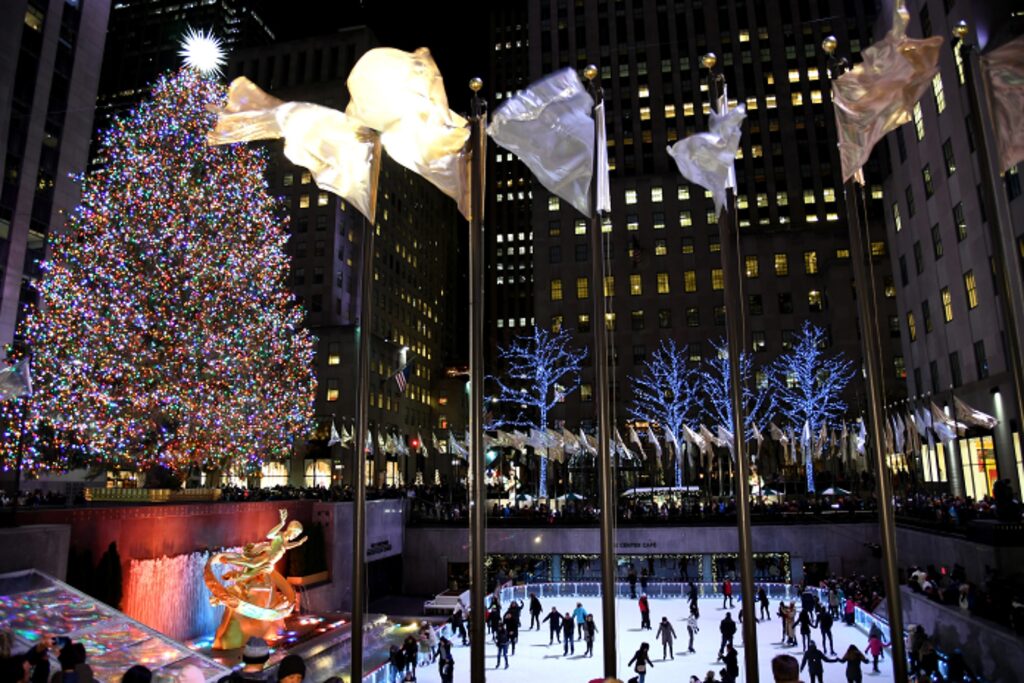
point(875, 401)
point(362, 425)
point(728, 239)
point(1008, 277)
point(477, 531)
point(604, 461)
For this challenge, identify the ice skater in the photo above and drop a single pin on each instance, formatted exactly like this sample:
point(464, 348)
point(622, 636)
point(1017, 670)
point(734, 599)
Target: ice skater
point(762, 600)
point(728, 630)
point(568, 631)
point(813, 658)
point(825, 624)
point(589, 629)
point(732, 664)
point(692, 595)
point(645, 613)
point(692, 629)
point(642, 660)
point(579, 615)
point(535, 610)
point(631, 578)
point(556, 625)
point(512, 629)
point(458, 622)
point(667, 635)
point(806, 622)
point(501, 640)
point(875, 648)
point(644, 577)
point(853, 659)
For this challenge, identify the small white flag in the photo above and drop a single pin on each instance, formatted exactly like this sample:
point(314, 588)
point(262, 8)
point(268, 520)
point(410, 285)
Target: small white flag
point(16, 380)
point(335, 437)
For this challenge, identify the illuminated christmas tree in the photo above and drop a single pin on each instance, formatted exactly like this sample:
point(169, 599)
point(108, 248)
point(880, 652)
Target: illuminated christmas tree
point(165, 334)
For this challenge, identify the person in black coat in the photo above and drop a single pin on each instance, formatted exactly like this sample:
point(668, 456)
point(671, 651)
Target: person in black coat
point(642, 660)
point(589, 629)
point(731, 660)
point(806, 623)
point(631, 577)
point(728, 630)
point(556, 625)
point(501, 640)
point(458, 625)
point(512, 628)
point(825, 622)
point(568, 633)
point(813, 658)
point(535, 610)
point(762, 599)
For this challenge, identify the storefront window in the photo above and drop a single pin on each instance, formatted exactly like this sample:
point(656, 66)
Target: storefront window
point(979, 463)
point(318, 473)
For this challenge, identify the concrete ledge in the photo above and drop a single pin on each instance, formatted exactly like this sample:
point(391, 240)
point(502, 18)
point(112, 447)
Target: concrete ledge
point(38, 546)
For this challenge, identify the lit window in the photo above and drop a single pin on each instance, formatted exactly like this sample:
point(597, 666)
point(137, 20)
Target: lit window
point(794, 75)
point(959, 63)
point(842, 253)
point(830, 194)
point(304, 201)
point(606, 224)
point(911, 326)
point(947, 153)
point(810, 262)
point(656, 194)
point(609, 322)
point(717, 279)
point(332, 390)
point(632, 222)
point(797, 99)
point(552, 203)
point(971, 287)
point(808, 196)
point(670, 111)
point(635, 286)
point(751, 266)
point(662, 283)
point(582, 288)
point(34, 19)
point(690, 281)
point(782, 199)
point(660, 248)
point(878, 248)
point(897, 222)
point(744, 36)
point(683, 192)
point(940, 95)
point(947, 304)
point(556, 290)
point(631, 196)
point(685, 219)
point(815, 97)
point(643, 91)
point(586, 393)
point(687, 245)
point(926, 177)
point(583, 322)
point(645, 113)
point(334, 353)
point(609, 285)
point(687, 109)
point(580, 227)
point(321, 199)
point(918, 121)
point(781, 265)
point(307, 178)
point(814, 300)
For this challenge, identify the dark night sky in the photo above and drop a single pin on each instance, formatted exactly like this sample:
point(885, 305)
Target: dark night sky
point(455, 31)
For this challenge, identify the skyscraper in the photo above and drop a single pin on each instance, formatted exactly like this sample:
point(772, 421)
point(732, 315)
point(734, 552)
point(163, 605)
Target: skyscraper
point(665, 278)
point(414, 271)
point(941, 240)
point(50, 55)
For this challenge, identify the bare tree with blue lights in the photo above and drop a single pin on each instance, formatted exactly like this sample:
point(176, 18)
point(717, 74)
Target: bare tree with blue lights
point(665, 392)
point(809, 385)
point(758, 401)
point(540, 370)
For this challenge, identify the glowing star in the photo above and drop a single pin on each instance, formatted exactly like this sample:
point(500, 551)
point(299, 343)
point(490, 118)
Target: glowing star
point(202, 51)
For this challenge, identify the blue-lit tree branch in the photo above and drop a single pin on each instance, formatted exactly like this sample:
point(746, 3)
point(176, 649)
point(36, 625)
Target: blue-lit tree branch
point(809, 385)
point(758, 401)
point(665, 392)
point(540, 369)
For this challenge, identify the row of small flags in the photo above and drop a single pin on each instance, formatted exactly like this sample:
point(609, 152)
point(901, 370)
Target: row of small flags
point(903, 434)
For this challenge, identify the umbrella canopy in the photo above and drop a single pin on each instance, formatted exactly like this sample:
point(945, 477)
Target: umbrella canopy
point(526, 497)
point(769, 492)
point(836, 491)
point(571, 496)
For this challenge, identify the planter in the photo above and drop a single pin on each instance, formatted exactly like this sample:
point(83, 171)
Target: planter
point(309, 579)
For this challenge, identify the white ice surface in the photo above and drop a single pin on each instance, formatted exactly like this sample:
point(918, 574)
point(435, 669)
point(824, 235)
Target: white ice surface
point(535, 661)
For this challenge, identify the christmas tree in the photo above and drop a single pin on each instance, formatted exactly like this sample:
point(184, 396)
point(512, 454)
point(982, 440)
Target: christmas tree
point(165, 334)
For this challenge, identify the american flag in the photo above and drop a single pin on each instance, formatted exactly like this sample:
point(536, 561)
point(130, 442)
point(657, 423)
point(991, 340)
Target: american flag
point(402, 378)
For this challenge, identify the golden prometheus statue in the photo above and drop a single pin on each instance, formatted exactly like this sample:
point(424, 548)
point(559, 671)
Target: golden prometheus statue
point(256, 598)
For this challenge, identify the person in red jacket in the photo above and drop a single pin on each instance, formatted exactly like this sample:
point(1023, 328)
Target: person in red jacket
point(727, 593)
point(645, 613)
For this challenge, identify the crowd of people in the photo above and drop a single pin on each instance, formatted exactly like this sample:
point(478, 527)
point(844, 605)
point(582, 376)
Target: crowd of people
point(996, 597)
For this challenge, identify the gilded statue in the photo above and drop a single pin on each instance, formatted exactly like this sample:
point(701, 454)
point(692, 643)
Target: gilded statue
point(256, 598)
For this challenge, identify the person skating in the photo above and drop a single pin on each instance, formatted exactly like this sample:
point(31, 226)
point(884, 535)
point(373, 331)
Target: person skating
point(410, 650)
point(640, 661)
point(458, 624)
point(833, 602)
point(692, 595)
point(813, 660)
point(579, 615)
point(446, 667)
point(535, 610)
point(512, 629)
point(790, 618)
point(515, 608)
point(501, 640)
point(806, 622)
point(727, 593)
point(692, 629)
point(589, 629)
point(825, 624)
point(732, 663)
point(631, 578)
point(556, 625)
point(568, 631)
point(667, 635)
point(876, 649)
point(853, 659)
point(644, 577)
point(762, 599)
point(728, 630)
point(493, 617)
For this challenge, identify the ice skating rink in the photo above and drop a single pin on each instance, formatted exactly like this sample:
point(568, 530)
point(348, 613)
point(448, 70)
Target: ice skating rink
point(537, 662)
